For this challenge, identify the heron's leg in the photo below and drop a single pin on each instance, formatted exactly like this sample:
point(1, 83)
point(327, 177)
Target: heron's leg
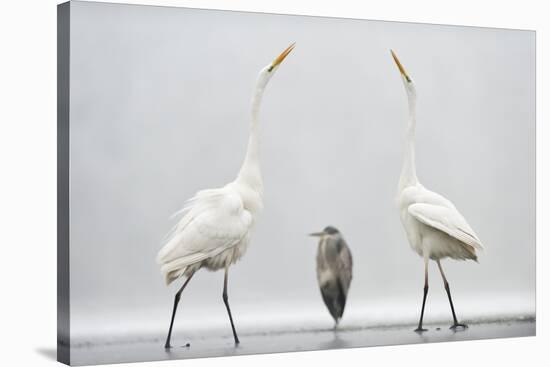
point(419, 329)
point(455, 324)
point(176, 301)
point(226, 301)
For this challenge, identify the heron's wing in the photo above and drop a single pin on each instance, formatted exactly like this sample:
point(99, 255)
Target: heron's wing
point(214, 222)
point(448, 220)
point(334, 299)
point(337, 257)
point(345, 265)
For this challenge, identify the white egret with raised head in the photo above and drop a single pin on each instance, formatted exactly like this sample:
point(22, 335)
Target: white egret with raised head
point(216, 226)
point(434, 227)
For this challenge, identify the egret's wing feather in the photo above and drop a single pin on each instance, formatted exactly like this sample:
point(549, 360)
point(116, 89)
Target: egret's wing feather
point(447, 220)
point(193, 206)
point(215, 222)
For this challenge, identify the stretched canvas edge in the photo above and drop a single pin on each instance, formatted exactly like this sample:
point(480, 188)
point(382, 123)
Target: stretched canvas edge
point(63, 258)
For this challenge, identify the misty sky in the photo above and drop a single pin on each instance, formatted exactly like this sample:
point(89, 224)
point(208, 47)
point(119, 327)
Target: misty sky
point(160, 102)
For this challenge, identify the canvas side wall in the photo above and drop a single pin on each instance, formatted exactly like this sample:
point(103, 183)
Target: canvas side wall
point(63, 96)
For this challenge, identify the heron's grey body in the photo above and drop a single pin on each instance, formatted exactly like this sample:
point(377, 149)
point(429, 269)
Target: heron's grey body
point(334, 270)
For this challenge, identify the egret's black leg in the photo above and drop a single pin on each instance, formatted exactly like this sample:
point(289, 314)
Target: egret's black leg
point(419, 329)
point(448, 290)
point(226, 301)
point(176, 301)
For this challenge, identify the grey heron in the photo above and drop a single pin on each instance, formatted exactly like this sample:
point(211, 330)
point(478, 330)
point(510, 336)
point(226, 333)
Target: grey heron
point(334, 270)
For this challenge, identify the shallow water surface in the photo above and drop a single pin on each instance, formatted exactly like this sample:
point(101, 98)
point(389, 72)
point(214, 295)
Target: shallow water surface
point(293, 341)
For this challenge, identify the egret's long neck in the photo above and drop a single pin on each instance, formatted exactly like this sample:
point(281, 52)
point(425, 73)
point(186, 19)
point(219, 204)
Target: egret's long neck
point(250, 173)
point(408, 171)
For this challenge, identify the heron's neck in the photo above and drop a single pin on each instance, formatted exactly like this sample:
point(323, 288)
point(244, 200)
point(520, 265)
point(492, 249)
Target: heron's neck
point(250, 173)
point(408, 171)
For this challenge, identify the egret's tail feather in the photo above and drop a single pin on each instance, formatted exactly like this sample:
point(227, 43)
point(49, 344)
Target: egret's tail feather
point(170, 276)
point(470, 252)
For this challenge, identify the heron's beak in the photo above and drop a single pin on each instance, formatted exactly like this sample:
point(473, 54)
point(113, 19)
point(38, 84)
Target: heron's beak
point(282, 56)
point(317, 234)
point(400, 66)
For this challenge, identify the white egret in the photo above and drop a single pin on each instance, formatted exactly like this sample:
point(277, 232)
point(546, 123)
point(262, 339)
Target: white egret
point(334, 270)
point(216, 226)
point(434, 227)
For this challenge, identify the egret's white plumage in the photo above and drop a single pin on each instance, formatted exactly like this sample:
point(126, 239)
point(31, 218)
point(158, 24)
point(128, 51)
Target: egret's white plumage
point(216, 224)
point(213, 233)
point(434, 227)
point(215, 228)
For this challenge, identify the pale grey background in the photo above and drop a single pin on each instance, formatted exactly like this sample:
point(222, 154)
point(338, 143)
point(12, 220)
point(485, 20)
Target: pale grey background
point(160, 109)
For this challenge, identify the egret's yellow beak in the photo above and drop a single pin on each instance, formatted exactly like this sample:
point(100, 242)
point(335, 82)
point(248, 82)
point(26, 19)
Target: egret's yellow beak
point(400, 66)
point(282, 56)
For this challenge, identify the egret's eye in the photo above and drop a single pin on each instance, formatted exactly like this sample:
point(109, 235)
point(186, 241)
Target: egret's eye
point(408, 79)
point(270, 69)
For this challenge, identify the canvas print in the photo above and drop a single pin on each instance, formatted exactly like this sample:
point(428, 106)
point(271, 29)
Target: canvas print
point(234, 183)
